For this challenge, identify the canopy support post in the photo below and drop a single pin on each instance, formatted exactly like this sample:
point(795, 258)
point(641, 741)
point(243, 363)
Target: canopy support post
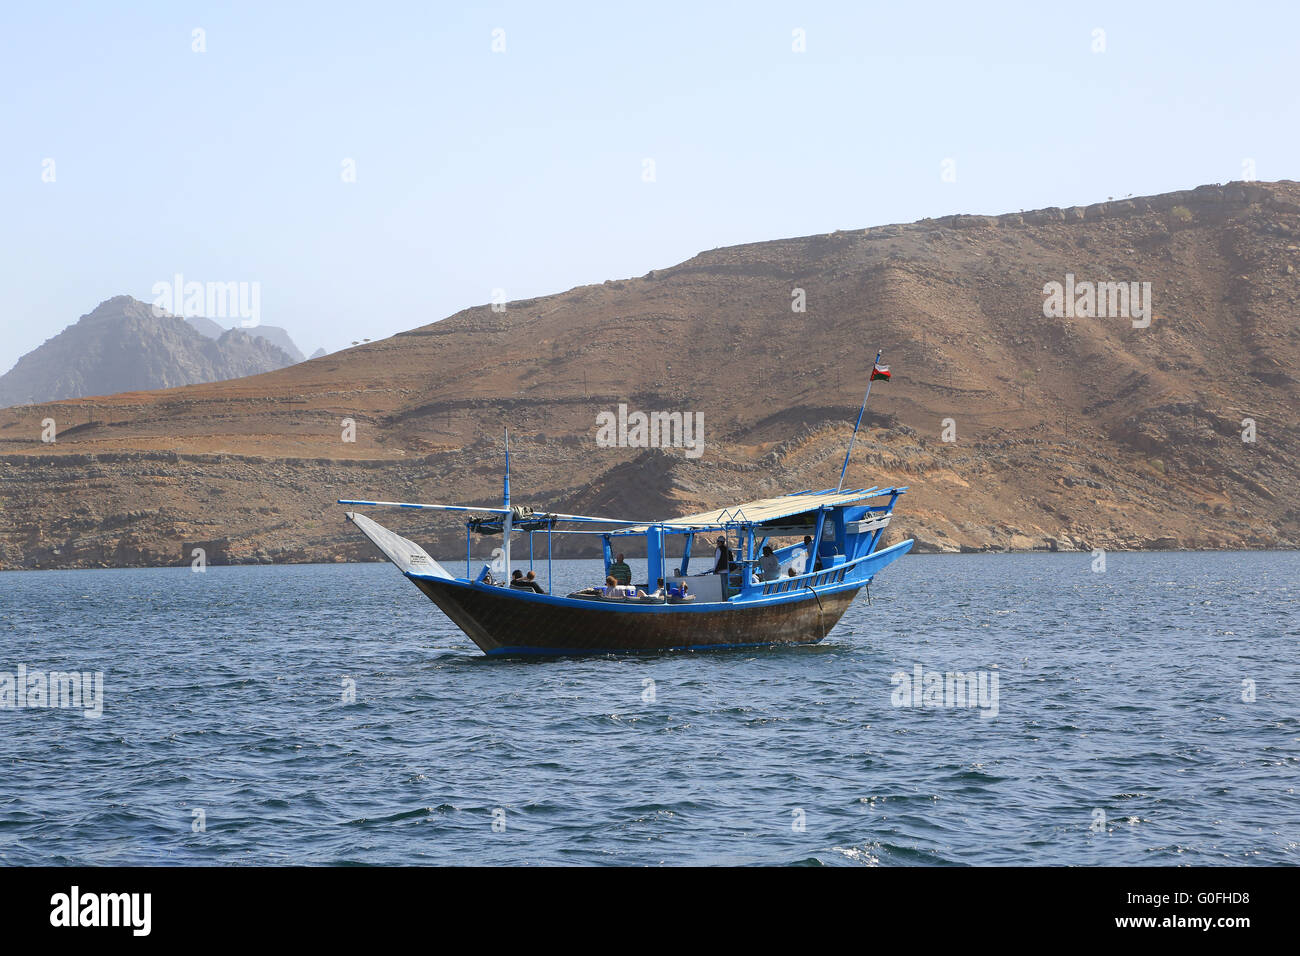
point(506, 519)
point(816, 542)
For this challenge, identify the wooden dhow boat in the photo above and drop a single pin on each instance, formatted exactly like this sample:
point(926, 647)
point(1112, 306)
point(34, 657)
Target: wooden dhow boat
point(795, 595)
point(737, 608)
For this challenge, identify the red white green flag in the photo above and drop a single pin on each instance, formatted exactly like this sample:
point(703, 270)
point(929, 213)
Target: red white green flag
point(879, 371)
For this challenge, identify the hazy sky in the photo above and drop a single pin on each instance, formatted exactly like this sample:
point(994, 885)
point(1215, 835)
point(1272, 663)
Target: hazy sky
point(525, 170)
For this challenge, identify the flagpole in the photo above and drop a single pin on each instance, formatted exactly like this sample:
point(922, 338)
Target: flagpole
point(870, 378)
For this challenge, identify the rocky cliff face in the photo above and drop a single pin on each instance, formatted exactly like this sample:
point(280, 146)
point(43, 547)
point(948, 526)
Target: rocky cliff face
point(1015, 429)
point(122, 346)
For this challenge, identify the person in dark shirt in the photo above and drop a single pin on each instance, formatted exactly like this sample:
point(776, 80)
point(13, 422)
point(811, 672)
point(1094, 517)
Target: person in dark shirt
point(620, 571)
point(721, 557)
point(517, 580)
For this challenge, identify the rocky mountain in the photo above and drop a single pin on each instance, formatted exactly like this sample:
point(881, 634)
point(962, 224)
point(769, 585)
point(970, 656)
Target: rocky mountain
point(123, 346)
point(271, 333)
point(1031, 405)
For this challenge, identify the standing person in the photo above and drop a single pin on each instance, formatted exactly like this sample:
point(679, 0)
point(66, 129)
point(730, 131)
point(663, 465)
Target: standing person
point(721, 557)
point(722, 564)
point(620, 570)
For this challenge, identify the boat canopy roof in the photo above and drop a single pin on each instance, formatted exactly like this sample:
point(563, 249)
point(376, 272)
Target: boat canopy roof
point(766, 510)
point(780, 514)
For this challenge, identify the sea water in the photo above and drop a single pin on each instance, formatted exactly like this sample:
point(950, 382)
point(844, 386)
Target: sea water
point(330, 714)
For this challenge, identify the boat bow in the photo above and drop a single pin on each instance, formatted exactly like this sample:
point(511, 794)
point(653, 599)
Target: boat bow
point(403, 552)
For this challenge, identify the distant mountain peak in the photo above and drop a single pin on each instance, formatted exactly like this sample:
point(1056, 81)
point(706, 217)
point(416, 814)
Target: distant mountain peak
point(116, 307)
point(270, 333)
point(124, 345)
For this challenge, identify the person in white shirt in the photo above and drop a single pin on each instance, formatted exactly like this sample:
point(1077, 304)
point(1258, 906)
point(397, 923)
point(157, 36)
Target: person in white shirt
point(613, 589)
point(769, 564)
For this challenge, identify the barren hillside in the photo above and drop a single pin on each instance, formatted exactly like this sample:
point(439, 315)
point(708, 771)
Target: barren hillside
point(1071, 432)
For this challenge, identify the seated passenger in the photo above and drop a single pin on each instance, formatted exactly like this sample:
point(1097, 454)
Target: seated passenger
point(529, 583)
point(517, 579)
point(620, 571)
point(658, 592)
point(812, 553)
point(790, 573)
point(615, 590)
point(678, 590)
point(769, 564)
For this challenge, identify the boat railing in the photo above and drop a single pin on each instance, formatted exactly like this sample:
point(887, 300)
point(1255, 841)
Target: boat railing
point(826, 576)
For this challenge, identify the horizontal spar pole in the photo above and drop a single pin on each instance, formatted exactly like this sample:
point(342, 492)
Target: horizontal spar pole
point(481, 510)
